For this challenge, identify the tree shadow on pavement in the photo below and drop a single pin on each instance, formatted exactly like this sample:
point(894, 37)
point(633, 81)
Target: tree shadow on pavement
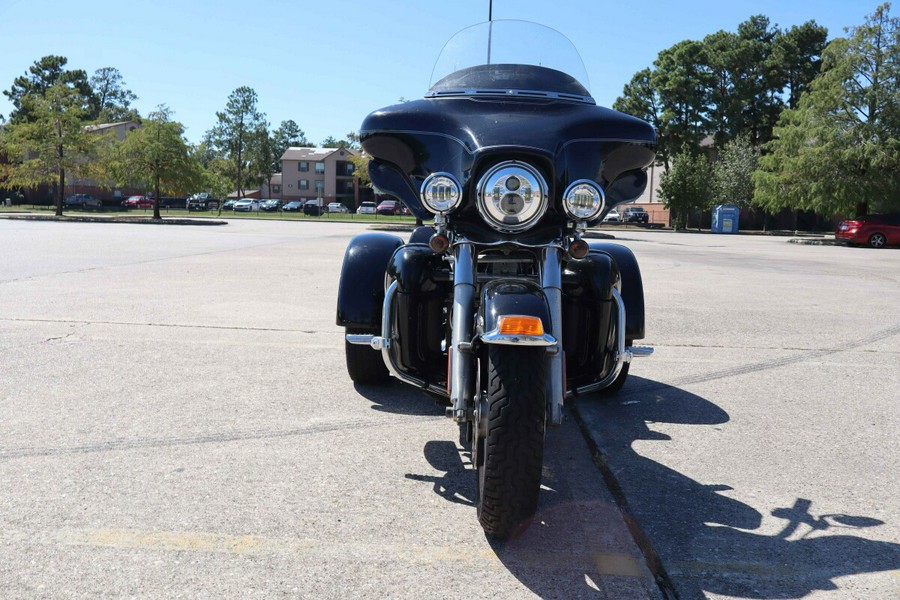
point(705, 538)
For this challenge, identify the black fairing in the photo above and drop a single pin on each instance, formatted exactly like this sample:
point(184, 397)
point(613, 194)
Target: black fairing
point(465, 135)
point(512, 298)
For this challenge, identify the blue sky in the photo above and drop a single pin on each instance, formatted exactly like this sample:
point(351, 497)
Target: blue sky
point(327, 64)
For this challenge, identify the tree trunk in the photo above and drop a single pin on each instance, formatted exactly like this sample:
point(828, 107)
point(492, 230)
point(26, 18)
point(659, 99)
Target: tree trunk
point(156, 215)
point(60, 191)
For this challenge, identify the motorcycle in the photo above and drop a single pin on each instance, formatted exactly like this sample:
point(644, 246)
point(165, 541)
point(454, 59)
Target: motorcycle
point(500, 309)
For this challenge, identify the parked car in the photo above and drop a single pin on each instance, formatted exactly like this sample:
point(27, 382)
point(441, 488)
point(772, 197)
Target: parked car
point(366, 208)
point(202, 201)
point(388, 207)
point(337, 207)
point(293, 206)
point(269, 204)
point(138, 202)
point(635, 214)
point(314, 208)
point(612, 217)
point(82, 201)
point(246, 205)
point(229, 204)
point(875, 231)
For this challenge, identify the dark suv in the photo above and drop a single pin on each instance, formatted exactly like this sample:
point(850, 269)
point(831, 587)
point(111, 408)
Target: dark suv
point(635, 214)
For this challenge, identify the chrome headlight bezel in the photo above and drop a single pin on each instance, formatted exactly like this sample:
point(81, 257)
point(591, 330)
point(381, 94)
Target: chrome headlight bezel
point(512, 182)
point(571, 198)
point(430, 188)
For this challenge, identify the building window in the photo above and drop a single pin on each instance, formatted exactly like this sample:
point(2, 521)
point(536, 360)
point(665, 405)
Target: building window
point(320, 168)
point(276, 189)
point(303, 184)
point(320, 185)
point(303, 166)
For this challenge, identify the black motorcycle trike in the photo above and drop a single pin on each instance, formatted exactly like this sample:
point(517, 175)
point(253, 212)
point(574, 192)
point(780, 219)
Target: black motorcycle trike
point(500, 308)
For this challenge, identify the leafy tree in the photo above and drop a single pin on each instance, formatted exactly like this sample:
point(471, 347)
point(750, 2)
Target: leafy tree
point(361, 170)
point(332, 142)
point(797, 58)
point(287, 135)
point(641, 99)
point(261, 155)
point(157, 155)
point(44, 74)
point(733, 172)
point(687, 186)
point(233, 134)
point(51, 142)
point(839, 152)
point(683, 85)
point(112, 99)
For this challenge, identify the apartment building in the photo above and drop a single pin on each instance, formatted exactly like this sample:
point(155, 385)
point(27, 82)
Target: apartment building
point(327, 173)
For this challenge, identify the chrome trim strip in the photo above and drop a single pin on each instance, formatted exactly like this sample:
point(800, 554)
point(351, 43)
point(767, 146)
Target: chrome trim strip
point(495, 337)
point(463, 317)
point(551, 282)
point(385, 342)
point(510, 92)
point(555, 244)
point(639, 351)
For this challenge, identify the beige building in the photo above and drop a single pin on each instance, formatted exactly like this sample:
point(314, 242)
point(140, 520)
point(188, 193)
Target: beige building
point(327, 173)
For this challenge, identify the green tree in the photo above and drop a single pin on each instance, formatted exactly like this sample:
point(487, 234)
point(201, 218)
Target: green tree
point(839, 152)
point(687, 186)
point(361, 168)
point(733, 172)
point(233, 134)
point(261, 155)
point(44, 74)
point(287, 135)
point(797, 58)
point(111, 98)
point(640, 99)
point(51, 142)
point(332, 142)
point(157, 155)
point(683, 84)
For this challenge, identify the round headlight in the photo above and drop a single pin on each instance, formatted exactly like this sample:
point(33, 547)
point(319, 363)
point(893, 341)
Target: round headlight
point(441, 193)
point(512, 196)
point(583, 200)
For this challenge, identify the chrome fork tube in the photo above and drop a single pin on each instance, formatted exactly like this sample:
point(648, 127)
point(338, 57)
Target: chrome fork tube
point(551, 281)
point(463, 317)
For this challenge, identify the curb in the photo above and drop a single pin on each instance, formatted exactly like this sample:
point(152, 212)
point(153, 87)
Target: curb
point(815, 241)
point(129, 220)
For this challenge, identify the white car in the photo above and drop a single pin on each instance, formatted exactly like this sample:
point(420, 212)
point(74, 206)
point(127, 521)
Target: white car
point(612, 217)
point(366, 208)
point(246, 205)
point(337, 207)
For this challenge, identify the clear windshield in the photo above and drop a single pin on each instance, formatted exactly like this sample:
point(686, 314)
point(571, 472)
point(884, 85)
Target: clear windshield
point(502, 45)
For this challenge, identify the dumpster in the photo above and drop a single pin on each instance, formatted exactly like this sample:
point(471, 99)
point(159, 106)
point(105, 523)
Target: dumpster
point(725, 218)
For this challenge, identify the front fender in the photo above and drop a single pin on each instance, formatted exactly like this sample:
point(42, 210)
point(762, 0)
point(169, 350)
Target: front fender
point(361, 291)
point(513, 297)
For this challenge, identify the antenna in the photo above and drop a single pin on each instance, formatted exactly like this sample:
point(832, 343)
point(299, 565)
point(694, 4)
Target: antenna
point(490, 27)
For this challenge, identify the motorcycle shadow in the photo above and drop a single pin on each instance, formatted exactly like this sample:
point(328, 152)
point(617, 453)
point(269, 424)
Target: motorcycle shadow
point(707, 540)
point(399, 398)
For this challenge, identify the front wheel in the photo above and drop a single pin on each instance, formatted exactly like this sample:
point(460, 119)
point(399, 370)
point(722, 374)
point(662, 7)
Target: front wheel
point(510, 425)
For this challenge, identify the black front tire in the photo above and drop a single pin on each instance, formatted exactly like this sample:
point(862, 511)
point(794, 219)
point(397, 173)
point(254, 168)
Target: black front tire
point(512, 448)
point(364, 365)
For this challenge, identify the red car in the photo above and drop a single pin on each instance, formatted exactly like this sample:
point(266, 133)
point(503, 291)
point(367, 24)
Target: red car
point(138, 202)
point(388, 207)
point(875, 231)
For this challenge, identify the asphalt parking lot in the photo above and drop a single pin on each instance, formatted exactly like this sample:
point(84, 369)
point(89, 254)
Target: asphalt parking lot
point(177, 422)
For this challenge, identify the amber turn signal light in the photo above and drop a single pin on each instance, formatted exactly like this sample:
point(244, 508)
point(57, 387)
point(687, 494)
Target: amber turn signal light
point(517, 325)
point(439, 243)
point(578, 249)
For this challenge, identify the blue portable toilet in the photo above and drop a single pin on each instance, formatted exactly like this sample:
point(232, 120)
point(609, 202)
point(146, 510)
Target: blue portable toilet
point(725, 218)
